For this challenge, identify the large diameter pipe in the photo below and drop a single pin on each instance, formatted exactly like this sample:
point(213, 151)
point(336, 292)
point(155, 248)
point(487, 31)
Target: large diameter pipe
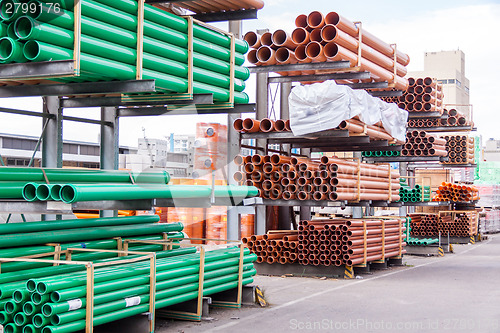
point(349, 27)
point(75, 193)
point(334, 52)
point(330, 33)
point(34, 238)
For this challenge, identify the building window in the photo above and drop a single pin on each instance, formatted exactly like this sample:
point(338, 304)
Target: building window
point(467, 90)
point(69, 148)
point(443, 81)
point(22, 144)
point(452, 81)
point(17, 162)
point(89, 150)
point(459, 83)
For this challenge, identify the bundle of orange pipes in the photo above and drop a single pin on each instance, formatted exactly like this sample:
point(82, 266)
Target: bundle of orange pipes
point(320, 38)
point(420, 143)
point(461, 149)
point(456, 193)
point(456, 224)
point(353, 126)
point(274, 247)
point(265, 125)
point(331, 178)
point(422, 95)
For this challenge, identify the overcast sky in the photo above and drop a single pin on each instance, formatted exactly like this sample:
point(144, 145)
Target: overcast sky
point(416, 26)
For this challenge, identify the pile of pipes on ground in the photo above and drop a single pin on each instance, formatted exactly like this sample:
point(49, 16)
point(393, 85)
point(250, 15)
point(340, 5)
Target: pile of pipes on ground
point(416, 194)
point(421, 143)
point(334, 242)
point(74, 185)
point(331, 178)
point(274, 247)
point(450, 118)
point(41, 297)
point(109, 46)
point(388, 153)
point(320, 38)
point(266, 125)
point(461, 149)
point(422, 95)
point(412, 241)
point(456, 193)
point(456, 224)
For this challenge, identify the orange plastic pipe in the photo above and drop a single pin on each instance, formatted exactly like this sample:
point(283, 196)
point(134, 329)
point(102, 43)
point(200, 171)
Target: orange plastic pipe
point(300, 36)
point(331, 33)
point(253, 39)
point(280, 38)
point(349, 27)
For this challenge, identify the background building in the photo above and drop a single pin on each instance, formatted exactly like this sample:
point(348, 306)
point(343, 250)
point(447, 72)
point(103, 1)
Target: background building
point(448, 67)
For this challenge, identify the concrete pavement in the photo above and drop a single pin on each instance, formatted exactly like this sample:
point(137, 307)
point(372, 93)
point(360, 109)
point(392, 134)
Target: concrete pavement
point(456, 293)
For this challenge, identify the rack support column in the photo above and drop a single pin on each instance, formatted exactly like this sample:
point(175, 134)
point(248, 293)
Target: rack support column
point(233, 149)
point(262, 109)
point(109, 146)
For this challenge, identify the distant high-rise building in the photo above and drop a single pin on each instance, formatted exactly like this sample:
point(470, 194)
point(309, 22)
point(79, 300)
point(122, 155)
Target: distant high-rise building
point(448, 67)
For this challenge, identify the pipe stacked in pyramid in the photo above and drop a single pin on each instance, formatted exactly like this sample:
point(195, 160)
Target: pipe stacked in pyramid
point(320, 38)
point(44, 31)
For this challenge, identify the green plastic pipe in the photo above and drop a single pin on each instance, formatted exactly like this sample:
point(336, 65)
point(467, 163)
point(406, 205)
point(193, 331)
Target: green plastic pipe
point(21, 319)
point(12, 307)
point(40, 51)
point(60, 296)
point(30, 308)
point(75, 193)
point(132, 287)
point(28, 227)
point(176, 23)
point(11, 190)
point(8, 12)
point(33, 238)
point(12, 328)
point(11, 50)
point(47, 285)
point(65, 315)
point(5, 317)
point(20, 295)
point(23, 174)
point(3, 29)
point(72, 316)
point(155, 47)
point(31, 329)
point(67, 290)
point(123, 71)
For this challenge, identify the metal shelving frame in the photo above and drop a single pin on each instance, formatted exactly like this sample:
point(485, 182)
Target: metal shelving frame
point(315, 142)
point(107, 96)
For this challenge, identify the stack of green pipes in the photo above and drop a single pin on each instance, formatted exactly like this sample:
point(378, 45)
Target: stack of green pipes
point(43, 31)
point(412, 241)
point(53, 299)
point(34, 184)
point(409, 194)
point(389, 153)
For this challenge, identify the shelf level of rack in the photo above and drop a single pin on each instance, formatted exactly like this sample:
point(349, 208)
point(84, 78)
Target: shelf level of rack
point(444, 129)
point(414, 159)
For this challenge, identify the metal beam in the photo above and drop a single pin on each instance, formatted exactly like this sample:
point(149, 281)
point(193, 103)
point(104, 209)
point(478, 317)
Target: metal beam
point(320, 77)
point(28, 113)
point(87, 102)
point(301, 67)
point(85, 88)
point(31, 70)
point(231, 15)
point(109, 146)
point(87, 121)
point(369, 85)
point(158, 111)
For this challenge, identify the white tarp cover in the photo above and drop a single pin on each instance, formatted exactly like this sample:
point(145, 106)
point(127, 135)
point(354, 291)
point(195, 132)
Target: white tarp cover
point(323, 106)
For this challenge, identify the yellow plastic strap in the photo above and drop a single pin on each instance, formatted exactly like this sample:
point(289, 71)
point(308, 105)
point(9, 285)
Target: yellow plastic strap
point(383, 239)
point(140, 39)
point(77, 36)
point(365, 252)
point(45, 176)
